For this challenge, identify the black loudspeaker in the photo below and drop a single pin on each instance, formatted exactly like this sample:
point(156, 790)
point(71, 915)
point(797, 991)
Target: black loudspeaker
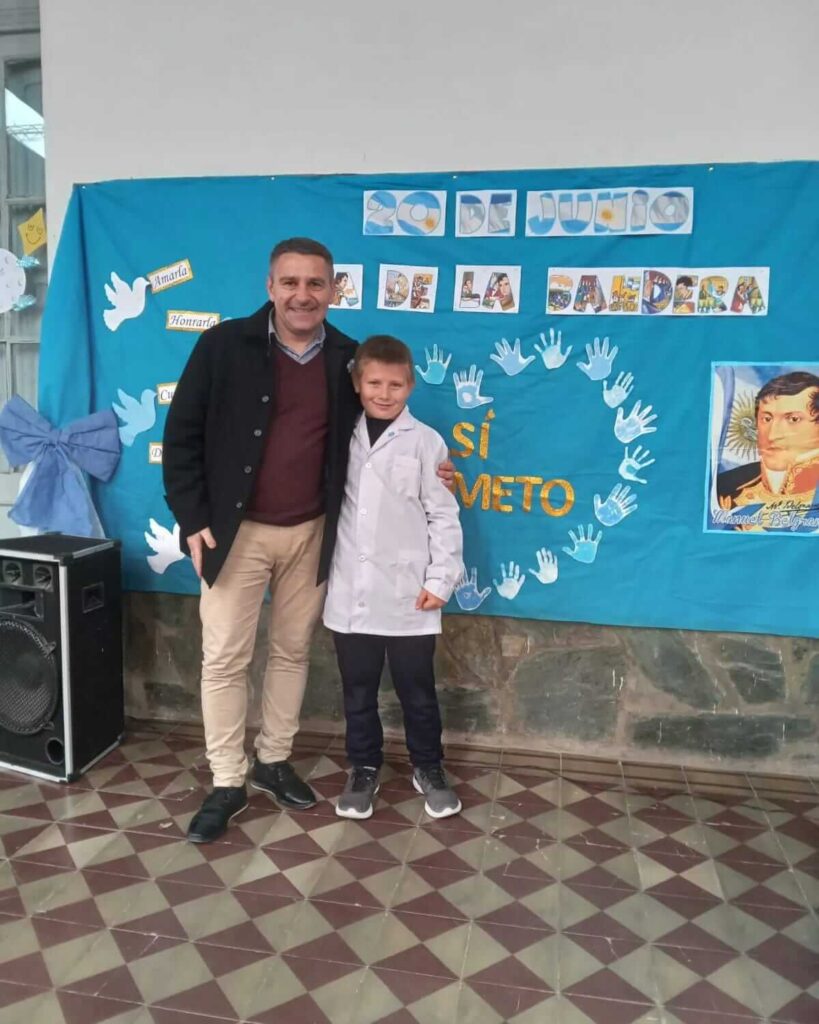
point(62, 704)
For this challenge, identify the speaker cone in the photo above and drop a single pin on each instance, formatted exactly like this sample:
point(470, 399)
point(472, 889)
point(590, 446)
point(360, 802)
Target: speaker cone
point(28, 678)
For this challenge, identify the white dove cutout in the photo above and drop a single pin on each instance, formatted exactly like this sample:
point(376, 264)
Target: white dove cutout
point(128, 301)
point(166, 545)
point(137, 415)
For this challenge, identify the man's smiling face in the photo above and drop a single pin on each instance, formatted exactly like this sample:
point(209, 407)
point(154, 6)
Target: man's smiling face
point(301, 288)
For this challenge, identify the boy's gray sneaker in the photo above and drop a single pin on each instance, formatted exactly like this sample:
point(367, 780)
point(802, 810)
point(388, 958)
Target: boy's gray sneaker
point(356, 800)
point(442, 800)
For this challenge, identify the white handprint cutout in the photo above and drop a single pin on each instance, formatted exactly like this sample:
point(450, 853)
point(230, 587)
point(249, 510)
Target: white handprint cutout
point(468, 388)
point(435, 373)
point(599, 358)
point(635, 463)
point(619, 391)
point(619, 504)
point(511, 581)
point(550, 351)
point(584, 544)
point(509, 357)
point(166, 545)
point(546, 571)
point(128, 300)
point(627, 428)
point(136, 416)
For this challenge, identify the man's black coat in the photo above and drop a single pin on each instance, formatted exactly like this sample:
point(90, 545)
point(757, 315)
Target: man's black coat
point(218, 423)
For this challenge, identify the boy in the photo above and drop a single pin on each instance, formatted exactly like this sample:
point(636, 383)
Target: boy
point(397, 558)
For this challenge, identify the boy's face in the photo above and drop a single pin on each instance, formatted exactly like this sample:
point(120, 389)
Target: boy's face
point(384, 388)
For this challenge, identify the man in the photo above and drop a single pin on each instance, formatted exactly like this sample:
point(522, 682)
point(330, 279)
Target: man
point(787, 423)
point(254, 464)
point(507, 299)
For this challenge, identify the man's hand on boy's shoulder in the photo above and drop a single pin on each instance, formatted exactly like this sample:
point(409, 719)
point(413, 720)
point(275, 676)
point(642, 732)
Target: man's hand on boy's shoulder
point(446, 474)
point(428, 602)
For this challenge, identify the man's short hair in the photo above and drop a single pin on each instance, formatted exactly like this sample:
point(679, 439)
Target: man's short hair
point(384, 348)
point(303, 247)
point(791, 384)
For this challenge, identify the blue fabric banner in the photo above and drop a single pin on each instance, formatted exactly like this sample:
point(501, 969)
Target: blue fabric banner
point(621, 360)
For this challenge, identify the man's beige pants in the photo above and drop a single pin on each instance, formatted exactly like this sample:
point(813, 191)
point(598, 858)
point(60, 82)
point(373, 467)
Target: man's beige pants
point(287, 558)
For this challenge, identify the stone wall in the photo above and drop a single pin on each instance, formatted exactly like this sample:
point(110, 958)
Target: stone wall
point(741, 701)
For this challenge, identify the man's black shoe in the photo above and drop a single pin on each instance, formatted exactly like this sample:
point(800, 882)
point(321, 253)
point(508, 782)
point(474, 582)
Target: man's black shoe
point(281, 782)
point(217, 811)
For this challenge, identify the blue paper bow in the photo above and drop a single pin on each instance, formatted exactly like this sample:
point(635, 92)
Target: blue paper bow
point(55, 496)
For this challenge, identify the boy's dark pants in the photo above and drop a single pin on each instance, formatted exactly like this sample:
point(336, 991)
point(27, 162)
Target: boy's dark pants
point(361, 660)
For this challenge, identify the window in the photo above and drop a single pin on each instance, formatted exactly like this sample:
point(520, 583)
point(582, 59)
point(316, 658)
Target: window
point(22, 195)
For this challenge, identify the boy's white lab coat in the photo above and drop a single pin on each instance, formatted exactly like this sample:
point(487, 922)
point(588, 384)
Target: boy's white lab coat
point(398, 532)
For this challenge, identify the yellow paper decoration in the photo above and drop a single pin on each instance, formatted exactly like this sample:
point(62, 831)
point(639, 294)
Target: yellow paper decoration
point(33, 232)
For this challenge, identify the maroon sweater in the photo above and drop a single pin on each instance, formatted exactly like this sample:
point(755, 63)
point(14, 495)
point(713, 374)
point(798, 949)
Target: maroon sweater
point(289, 486)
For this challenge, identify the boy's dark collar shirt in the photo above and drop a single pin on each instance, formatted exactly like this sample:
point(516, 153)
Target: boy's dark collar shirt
point(376, 427)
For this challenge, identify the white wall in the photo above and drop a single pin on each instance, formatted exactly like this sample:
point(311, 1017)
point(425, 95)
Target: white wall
point(204, 87)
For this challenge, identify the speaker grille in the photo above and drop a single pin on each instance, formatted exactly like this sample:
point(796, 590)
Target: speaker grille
point(28, 678)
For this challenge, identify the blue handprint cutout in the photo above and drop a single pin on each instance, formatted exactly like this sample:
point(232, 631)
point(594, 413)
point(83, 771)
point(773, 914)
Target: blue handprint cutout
point(600, 360)
point(468, 388)
point(509, 357)
point(584, 547)
point(635, 463)
point(467, 594)
point(136, 416)
point(437, 366)
point(627, 428)
point(619, 504)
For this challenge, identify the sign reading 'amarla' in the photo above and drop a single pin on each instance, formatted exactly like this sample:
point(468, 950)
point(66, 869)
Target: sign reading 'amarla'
point(170, 276)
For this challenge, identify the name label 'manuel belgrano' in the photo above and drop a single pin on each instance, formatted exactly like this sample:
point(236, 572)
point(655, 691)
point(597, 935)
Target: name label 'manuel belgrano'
point(190, 320)
point(170, 276)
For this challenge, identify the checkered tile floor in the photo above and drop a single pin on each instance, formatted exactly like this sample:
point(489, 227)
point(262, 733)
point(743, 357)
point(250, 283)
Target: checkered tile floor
point(568, 891)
